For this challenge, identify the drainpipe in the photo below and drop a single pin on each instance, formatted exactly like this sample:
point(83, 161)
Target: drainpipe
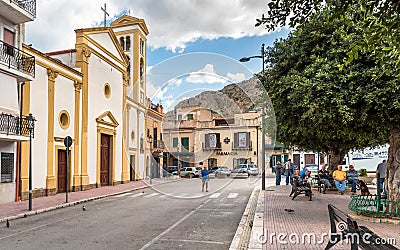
point(18, 183)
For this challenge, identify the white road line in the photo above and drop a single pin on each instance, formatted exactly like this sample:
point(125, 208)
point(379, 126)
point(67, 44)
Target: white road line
point(122, 195)
point(136, 195)
point(216, 195)
point(232, 195)
point(173, 226)
point(34, 228)
point(151, 195)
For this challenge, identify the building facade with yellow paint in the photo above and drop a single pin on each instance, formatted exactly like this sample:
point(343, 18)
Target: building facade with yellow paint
point(16, 68)
point(94, 93)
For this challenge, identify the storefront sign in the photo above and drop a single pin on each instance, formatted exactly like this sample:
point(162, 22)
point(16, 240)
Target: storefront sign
point(226, 153)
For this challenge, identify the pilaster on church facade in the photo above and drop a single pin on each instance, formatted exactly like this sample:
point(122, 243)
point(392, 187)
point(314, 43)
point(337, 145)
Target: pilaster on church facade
point(95, 93)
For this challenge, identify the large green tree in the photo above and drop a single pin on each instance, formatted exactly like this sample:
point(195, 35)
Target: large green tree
point(323, 108)
point(380, 21)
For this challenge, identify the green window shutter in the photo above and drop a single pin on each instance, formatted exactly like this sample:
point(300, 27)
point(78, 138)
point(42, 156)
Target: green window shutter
point(174, 142)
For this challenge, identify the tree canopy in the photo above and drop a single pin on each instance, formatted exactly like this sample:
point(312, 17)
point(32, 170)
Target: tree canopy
point(380, 21)
point(319, 107)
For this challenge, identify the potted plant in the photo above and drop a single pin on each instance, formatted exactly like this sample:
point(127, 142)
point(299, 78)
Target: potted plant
point(188, 175)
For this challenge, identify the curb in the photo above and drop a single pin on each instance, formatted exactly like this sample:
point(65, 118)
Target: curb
point(244, 227)
point(69, 204)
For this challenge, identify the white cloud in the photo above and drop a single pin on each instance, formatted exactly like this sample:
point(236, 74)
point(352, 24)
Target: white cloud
point(172, 23)
point(238, 77)
point(205, 75)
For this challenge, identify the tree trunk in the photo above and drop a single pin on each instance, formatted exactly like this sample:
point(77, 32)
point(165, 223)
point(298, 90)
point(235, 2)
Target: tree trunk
point(336, 159)
point(392, 181)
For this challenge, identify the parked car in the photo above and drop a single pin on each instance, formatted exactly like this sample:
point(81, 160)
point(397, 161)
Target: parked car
point(222, 170)
point(189, 171)
point(239, 171)
point(251, 169)
point(213, 169)
point(171, 169)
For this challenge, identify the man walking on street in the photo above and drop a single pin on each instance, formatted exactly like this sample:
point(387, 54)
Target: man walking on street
point(204, 177)
point(381, 169)
point(278, 173)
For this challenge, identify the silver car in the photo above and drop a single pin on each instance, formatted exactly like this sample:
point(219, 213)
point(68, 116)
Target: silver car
point(223, 170)
point(251, 169)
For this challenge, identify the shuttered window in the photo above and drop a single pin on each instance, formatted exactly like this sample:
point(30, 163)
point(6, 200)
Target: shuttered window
point(241, 140)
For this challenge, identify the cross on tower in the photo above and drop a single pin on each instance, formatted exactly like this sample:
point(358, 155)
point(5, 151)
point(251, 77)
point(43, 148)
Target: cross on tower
point(105, 14)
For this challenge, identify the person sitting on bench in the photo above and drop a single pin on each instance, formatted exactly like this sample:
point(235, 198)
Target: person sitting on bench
point(303, 181)
point(324, 178)
point(352, 177)
point(340, 179)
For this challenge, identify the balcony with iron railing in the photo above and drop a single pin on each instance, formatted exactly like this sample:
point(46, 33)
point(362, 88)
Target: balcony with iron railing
point(18, 11)
point(16, 59)
point(15, 125)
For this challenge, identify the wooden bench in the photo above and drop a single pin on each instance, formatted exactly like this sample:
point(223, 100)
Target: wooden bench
point(299, 189)
point(344, 227)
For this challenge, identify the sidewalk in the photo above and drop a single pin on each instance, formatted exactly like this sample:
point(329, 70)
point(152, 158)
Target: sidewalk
point(14, 210)
point(308, 217)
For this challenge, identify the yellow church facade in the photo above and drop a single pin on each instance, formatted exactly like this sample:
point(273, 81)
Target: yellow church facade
point(95, 94)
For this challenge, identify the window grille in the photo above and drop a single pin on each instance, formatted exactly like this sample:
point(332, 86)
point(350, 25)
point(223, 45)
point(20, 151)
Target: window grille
point(7, 167)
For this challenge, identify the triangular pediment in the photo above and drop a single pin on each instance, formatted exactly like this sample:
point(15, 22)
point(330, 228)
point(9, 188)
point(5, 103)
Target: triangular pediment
point(127, 20)
point(108, 119)
point(103, 39)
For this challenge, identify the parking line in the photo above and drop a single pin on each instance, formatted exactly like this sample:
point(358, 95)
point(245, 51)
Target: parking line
point(232, 195)
point(136, 195)
point(122, 195)
point(151, 195)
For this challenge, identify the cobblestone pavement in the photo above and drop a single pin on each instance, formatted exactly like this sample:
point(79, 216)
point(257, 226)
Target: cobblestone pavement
point(309, 218)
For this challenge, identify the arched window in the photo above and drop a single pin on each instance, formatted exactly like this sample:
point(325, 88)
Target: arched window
point(122, 42)
point(129, 66)
point(128, 43)
point(141, 71)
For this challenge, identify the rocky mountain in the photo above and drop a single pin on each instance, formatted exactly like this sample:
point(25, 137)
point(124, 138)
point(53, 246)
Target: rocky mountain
point(232, 99)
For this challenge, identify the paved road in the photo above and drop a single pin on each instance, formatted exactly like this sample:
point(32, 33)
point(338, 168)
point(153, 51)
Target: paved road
point(175, 216)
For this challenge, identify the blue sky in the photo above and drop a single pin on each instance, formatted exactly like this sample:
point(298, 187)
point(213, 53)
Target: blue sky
point(235, 48)
point(225, 29)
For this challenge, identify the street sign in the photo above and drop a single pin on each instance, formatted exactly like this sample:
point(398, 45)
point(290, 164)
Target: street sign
point(68, 141)
point(67, 144)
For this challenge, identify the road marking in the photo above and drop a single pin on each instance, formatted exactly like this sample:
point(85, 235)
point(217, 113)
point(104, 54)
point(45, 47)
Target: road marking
point(232, 195)
point(151, 195)
point(122, 195)
point(173, 226)
point(205, 241)
point(34, 228)
point(136, 195)
point(216, 195)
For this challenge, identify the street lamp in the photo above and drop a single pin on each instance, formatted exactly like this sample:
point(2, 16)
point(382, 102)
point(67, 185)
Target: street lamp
point(246, 59)
point(150, 140)
point(31, 126)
